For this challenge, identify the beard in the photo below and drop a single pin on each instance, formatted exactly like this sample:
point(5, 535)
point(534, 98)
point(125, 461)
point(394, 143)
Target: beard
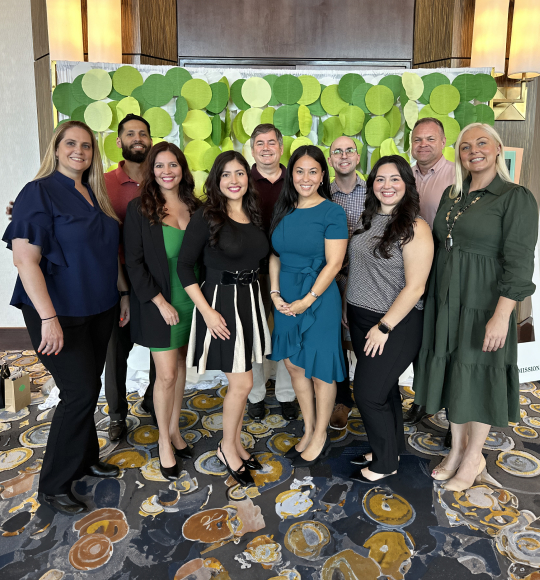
point(135, 156)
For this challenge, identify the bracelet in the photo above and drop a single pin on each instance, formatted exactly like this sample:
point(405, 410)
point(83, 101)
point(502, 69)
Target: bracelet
point(124, 293)
point(275, 292)
point(44, 319)
point(314, 295)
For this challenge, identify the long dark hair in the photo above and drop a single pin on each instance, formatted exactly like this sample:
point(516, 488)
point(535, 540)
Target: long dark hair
point(288, 198)
point(215, 208)
point(152, 200)
point(400, 227)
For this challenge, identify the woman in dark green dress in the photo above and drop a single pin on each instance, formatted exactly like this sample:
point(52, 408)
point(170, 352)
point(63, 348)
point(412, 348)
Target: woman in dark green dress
point(485, 233)
point(154, 231)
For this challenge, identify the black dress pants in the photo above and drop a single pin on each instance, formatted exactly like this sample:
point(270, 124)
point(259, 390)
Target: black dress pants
point(376, 390)
point(72, 445)
point(343, 391)
point(118, 350)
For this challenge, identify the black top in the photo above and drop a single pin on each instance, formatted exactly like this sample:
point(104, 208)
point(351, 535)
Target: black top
point(240, 247)
point(79, 245)
point(268, 193)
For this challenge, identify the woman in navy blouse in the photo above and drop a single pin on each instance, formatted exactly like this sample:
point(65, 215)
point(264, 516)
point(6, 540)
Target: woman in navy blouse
point(64, 236)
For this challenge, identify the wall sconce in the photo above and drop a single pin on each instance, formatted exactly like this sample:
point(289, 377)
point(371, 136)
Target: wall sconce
point(64, 23)
point(104, 31)
point(489, 49)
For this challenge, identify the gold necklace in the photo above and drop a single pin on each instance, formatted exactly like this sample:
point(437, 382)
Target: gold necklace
point(449, 242)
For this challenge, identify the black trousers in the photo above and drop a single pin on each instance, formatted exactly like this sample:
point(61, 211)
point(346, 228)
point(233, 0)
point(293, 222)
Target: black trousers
point(343, 391)
point(376, 390)
point(118, 350)
point(73, 444)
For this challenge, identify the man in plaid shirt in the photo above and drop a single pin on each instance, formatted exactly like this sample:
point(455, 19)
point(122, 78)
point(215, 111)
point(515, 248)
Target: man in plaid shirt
point(349, 190)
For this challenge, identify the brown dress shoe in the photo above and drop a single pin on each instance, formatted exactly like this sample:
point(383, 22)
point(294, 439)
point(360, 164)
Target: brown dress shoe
point(339, 417)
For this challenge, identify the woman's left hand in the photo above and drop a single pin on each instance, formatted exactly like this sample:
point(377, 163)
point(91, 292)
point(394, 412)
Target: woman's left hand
point(297, 307)
point(375, 341)
point(124, 311)
point(496, 331)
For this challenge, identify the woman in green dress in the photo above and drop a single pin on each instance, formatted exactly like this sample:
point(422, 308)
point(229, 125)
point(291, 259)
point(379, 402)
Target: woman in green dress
point(153, 232)
point(485, 233)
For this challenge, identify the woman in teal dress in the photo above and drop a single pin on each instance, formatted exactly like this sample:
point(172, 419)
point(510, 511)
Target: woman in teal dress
point(154, 230)
point(485, 233)
point(309, 239)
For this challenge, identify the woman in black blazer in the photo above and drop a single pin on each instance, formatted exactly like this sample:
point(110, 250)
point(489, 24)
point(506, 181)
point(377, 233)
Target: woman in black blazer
point(161, 309)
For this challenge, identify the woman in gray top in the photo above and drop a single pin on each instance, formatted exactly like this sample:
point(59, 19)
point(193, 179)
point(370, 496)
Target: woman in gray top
point(390, 257)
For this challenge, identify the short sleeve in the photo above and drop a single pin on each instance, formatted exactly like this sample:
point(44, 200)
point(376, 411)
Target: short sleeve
point(519, 235)
point(336, 223)
point(33, 219)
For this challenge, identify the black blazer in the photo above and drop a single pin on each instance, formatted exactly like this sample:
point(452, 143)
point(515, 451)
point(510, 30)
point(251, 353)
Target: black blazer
point(148, 271)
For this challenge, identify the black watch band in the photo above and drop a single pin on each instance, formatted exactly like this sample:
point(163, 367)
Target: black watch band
point(383, 328)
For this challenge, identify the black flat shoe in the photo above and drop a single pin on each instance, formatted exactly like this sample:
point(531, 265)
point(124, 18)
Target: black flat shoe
point(289, 410)
point(241, 475)
point(361, 461)
point(257, 411)
point(65, 503)
point(102, 469)
point(301, 462)
point(183, 453)
point(252, 463)
point(170, 473)
point(414, 415)
point(293, 453)
point(358, 476)
point(117, 430)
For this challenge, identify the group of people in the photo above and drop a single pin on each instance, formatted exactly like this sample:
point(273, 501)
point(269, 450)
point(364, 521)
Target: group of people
point(343, 264)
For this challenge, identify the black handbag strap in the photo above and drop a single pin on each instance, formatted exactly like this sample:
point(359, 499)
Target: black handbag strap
point(5, 373)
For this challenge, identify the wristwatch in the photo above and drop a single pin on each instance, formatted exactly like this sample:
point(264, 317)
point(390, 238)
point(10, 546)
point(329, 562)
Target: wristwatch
point(383, 327)
point(124, 293)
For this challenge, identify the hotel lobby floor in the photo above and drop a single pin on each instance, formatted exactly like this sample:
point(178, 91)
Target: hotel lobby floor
point(309, 523)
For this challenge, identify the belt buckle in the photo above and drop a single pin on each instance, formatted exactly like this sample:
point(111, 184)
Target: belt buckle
point(245, 277)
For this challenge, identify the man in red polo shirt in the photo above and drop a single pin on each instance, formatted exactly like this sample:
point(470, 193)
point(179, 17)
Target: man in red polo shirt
point(123, 186)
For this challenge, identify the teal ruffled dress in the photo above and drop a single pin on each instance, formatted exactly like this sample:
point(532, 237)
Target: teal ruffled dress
point(311, 340)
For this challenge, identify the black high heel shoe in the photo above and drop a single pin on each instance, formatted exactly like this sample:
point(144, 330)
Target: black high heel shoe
point(183, 453)
point(252, 463)
point(293, 453)
point(170, 473)
point(241, 475)
point(301, 462)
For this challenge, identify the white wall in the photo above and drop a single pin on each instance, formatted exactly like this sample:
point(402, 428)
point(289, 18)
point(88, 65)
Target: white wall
point(19, 149)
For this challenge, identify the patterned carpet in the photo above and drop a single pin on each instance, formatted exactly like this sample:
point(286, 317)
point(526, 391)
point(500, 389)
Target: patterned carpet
point(312, 523)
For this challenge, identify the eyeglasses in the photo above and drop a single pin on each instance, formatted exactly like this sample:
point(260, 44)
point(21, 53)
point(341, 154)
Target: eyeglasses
point(350, 151)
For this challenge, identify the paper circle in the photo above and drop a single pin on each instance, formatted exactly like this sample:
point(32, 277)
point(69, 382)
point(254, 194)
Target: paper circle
point(216, 129)
point(63, 99)
point(125, 79)
point(197, 125)
point(98, 116)
point(157, 90)
point(197, 93)
point(77, 92)
point(177, 76)
point(288, 89)
point(286, 119)
point(403, 98)
point(78, 114)
point(444, 99)
point(359, 96)
point(160, 122)
point(332, 129)
point(114, 95)
point(377, 130)
point(287, 142)
point(137, 93)
point(305, 120)
point(227, 144)
point(488, 87)
point(220, 98)
point(348, 84)
point(331, 101)
point(268, 115)
point(256, 92)
point(114, 123)
point(431, 81)
point(468, 86)
point(194, 152)
point(250, 119)
point(316, 108)
point(97, 84)
point(238, 128)
point(236, 95)
point(375, 156)
point(112, 151)
point(199, 177)
point(485, 114)
point(209, 157)
point(450, 154)
point(352, 119)
point(413, 85)
point(271, 79)
point(465, 114)
point(248, 155)
point(393, 82)
point(451, 129)
point(181, 110)
point(379, 99)
point(388, 147)
point(394, 118)
point(298, 142)
point(427, 111)
point(127, 106)
point(410, 112)
point(311, 89)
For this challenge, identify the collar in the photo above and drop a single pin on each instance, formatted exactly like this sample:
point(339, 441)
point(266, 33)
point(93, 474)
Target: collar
point(255, 173)
point(67, 180)
point(121, 175)
point(497, 187)
point(436, 168)
point(335, 189)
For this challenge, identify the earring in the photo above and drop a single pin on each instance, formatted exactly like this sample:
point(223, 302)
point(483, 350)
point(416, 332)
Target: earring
point(321, 183)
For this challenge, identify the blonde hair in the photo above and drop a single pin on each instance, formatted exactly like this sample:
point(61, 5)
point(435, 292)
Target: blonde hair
point(462, 173)
point(95, 173)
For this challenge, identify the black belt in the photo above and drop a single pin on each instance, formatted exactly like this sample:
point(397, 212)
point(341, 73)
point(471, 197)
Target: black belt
point(242, 278)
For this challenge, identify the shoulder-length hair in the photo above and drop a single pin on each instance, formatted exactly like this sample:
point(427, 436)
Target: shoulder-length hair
point(152, 200)
point(462, 173)
point(400, 227)
point(93, 175)
point(215, 208)
point(288, 198)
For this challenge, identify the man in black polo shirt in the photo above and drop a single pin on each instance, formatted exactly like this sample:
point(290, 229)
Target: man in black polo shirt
point(268, 175)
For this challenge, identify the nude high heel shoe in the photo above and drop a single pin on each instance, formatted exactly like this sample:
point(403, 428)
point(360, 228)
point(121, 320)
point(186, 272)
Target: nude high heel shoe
point(456, 484)
point(442, 474)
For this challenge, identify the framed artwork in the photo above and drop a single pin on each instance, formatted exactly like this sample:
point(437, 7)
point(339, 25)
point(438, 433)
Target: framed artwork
point(514, 158)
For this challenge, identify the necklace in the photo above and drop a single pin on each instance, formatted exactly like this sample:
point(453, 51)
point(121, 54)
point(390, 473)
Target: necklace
point(449, 242)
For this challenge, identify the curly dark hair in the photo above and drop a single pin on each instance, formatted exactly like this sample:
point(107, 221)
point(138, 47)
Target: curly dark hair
point(400, 227)
point(215, 208)
point(288, 198)
point(152, 200)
